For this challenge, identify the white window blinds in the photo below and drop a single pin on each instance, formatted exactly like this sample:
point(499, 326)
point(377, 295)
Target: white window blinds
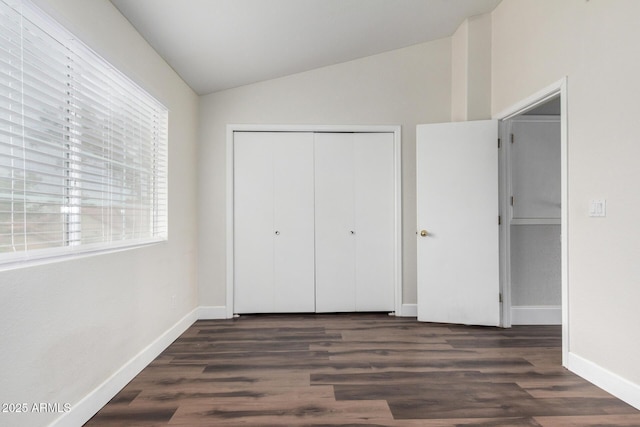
point(83, 150)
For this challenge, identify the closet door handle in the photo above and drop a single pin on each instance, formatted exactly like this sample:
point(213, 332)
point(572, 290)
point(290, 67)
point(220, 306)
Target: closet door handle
point(352, 232)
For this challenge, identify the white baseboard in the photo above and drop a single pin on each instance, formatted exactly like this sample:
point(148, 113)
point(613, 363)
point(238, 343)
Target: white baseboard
point(612, 383)
point(217, 312)
point(86, 408)
point(536, 315)
point(212, 312)
point(409, 310)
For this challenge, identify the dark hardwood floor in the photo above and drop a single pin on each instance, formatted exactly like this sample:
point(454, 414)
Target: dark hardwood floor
point(364, 370)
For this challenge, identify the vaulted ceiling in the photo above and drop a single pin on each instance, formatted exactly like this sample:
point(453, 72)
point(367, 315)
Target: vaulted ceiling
point(220, 44)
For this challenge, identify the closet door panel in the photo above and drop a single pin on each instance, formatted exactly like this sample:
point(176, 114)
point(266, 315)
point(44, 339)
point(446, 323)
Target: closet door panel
point(253, 223)
point(334, 222)
point(293, 234)
point(374, 221)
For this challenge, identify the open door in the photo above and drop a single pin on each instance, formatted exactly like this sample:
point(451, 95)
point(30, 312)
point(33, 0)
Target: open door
point(458, 230)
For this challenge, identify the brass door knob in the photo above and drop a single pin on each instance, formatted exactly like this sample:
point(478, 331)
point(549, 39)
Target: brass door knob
point(423, 233)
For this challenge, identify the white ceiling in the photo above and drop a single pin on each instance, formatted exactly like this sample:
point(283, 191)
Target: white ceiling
point(220, 44)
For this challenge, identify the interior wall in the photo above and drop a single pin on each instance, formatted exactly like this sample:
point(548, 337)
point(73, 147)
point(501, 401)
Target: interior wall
point(535, 265)
point(479, 65)
point(535, 170)
point(471, 69)
point(406, 87)
point(68, 326)
point(459, 72)
point(536, 43)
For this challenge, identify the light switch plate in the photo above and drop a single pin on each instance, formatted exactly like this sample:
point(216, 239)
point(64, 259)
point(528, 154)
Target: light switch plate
point(598, 208)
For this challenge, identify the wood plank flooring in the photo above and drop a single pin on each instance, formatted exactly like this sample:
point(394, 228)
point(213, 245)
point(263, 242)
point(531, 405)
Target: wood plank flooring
point(361, 370)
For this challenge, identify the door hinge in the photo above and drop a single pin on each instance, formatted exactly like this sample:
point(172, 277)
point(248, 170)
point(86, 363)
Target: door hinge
point(512, 200)
point(500, 297)
point(499, 220)
point(513, 138)
point(498, 142)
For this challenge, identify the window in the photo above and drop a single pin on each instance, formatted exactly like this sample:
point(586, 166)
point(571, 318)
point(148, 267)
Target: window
point(83, 150)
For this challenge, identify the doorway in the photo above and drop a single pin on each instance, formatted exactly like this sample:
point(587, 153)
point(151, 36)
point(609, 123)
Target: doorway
point(533, 214)
point(450, 281)
point(533, 207)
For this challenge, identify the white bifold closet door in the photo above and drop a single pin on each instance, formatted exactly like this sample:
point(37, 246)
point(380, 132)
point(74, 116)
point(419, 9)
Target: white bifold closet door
point(273, 222)
point(354, 221)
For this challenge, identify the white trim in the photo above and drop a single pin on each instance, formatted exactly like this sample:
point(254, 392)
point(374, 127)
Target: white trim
point(89, 405)
point(536, 221)
point(564, 214)
point(536, 118)
point(610, 382)
point(536, 315)
point(66, 253)
point(409, 310)
point(532, 101)
point(213, 312)
point(230, 202)
point(557, 88)
point(312, 128)
point(395, 129)
point(504, 191)
point(397, 144)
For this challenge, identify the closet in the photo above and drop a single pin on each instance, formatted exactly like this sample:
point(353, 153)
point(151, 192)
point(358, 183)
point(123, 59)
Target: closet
point(534, 258)
point(314, 221)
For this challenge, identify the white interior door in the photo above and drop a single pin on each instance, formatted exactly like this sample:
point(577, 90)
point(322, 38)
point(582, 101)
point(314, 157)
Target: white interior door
point(335, 228)
point(457, 202)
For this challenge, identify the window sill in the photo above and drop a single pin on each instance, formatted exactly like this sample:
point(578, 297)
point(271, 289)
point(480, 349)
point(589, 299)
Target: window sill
point(13, 261)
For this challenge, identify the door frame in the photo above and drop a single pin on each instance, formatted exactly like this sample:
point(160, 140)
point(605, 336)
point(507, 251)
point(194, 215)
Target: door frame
point(397, 139)
point(558, 88)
